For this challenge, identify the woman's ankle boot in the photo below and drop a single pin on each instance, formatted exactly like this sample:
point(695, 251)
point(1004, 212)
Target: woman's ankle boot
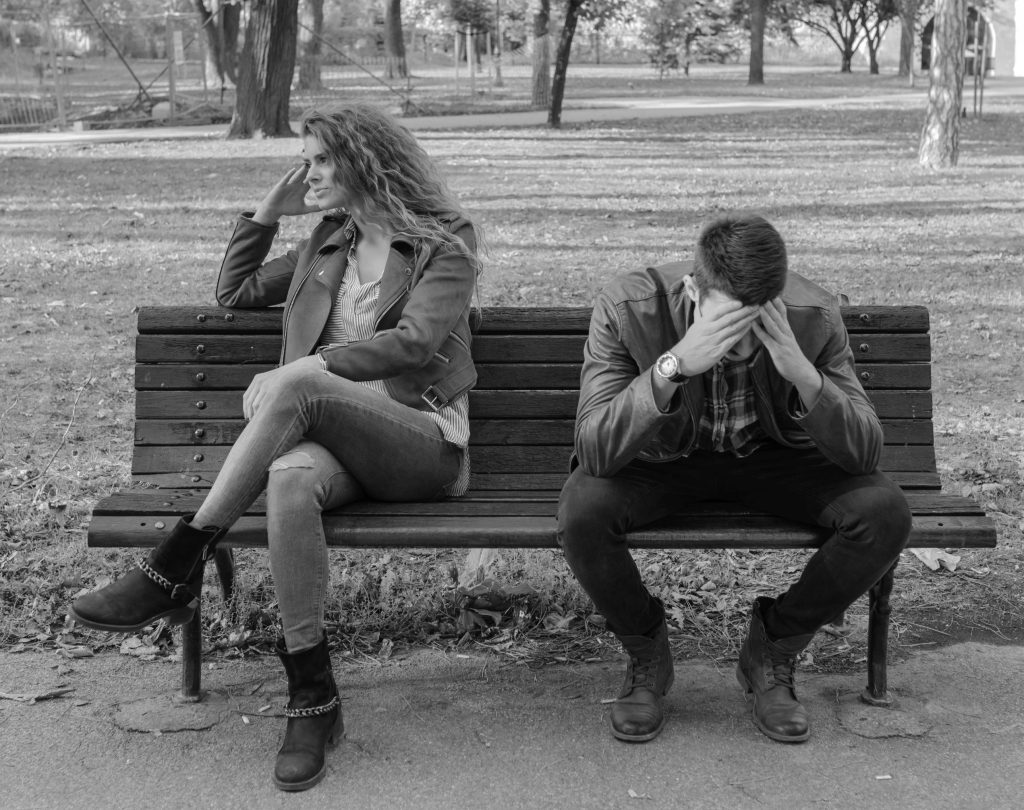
point(314, 717)
point(166, 585)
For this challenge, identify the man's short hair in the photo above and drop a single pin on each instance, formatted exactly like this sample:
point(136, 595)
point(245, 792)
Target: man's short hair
point(742, 256)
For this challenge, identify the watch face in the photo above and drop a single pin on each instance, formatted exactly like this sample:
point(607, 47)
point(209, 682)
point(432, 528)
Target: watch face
point(667, 366)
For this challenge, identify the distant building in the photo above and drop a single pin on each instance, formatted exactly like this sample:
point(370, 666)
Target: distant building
point(997, 31)
point(1007, 26)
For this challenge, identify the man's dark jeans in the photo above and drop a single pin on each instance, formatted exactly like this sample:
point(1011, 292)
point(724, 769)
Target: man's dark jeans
point(868, 515)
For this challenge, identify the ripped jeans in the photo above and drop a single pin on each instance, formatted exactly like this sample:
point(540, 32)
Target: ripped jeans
point(317, 442)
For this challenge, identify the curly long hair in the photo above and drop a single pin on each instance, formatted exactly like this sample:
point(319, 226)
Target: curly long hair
point(381, 164)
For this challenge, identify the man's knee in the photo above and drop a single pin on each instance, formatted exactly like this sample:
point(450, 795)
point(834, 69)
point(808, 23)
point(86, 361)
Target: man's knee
point(882, 517)
point(587, 509)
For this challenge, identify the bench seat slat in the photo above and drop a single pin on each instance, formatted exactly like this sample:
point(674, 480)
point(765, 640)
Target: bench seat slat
point(543, 502)
point(486, 482)
point(528, 531)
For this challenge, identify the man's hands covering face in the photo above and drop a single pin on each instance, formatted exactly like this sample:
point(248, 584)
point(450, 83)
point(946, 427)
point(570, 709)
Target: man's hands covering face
point(717, 326)
point(773, 330)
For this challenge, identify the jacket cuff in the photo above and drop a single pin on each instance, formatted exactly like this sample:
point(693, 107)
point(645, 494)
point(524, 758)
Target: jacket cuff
point(247, 217)
point(828, 396)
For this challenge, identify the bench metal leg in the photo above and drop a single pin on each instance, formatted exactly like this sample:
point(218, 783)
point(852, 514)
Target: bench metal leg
point(877, 692)
point(224, 559)
point(192, 631)
point(192, 657)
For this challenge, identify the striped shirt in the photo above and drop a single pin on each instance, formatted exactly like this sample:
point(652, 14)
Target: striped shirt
point(352, 320)
point(729, 423)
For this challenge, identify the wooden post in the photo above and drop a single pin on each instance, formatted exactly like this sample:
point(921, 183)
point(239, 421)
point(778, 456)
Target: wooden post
point(58, 89)
point(470, 63)
point(455, 53)
point(202, 66)
point(169, 39)
point(497, 44)
point(977, 55)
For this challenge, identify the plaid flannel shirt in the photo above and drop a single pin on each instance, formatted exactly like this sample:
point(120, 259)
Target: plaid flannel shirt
point(729, 423)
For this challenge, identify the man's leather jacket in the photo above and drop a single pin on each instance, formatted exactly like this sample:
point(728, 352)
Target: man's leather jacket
point(644, 313)
point(421, 341)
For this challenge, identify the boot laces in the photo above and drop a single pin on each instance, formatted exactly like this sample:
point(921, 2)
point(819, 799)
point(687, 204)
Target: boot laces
point(644, 671)
point(783, 667)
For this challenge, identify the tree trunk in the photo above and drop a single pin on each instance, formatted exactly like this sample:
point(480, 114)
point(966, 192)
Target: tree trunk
point(907, 34)
point(265, 72)
point(221, 24)
point(758, 15)
point(393, 40)
point(872, 55)
point(541, 54)
point(846, 65)
point(572, 15)
point(310, 34)
point(940, 136)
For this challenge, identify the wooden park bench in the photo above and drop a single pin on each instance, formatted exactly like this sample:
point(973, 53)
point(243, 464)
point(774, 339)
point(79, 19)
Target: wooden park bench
point(193, 363)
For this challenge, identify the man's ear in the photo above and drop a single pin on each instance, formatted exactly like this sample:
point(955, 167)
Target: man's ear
point(691, 288)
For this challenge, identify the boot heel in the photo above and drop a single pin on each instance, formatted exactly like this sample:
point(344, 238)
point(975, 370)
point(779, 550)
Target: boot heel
point(181, 616)
point(338, 732)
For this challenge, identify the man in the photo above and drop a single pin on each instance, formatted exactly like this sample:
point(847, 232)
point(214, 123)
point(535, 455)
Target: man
point(734, 381)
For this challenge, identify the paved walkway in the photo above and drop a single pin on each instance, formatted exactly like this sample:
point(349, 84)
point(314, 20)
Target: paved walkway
point(598, 109)
point(435, 730)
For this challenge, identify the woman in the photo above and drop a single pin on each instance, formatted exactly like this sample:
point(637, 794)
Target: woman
point(370, 400)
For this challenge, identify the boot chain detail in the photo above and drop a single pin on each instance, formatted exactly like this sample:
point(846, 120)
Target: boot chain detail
point(314, 711)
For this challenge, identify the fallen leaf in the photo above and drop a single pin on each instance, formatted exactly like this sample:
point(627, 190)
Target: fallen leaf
point(77, 652)
point(935, 558)
point(133, 645)
point(37, 696)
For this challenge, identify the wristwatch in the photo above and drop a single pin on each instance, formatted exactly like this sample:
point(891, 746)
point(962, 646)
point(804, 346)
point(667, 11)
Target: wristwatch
point(667, 367)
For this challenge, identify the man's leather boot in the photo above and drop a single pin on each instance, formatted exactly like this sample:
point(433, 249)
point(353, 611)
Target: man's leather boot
point(638, 715)
point(166, 585)
point(765, 669)
point(314, 717)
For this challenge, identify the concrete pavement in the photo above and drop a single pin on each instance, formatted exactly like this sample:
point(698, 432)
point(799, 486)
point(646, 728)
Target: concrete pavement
point(440, 730)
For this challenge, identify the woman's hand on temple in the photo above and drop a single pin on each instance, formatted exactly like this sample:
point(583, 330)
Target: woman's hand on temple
point(286, 199)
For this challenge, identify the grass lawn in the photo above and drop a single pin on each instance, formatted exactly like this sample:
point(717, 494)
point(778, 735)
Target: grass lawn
point(92, 232)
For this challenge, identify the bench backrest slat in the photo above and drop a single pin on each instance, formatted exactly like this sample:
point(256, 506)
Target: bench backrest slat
point(195, 362)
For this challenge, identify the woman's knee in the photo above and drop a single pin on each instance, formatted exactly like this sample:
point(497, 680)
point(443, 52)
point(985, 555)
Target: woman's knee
point(294, 482)
point(292, 385)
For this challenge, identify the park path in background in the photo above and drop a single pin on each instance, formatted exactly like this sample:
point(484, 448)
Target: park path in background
point(597, 110)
